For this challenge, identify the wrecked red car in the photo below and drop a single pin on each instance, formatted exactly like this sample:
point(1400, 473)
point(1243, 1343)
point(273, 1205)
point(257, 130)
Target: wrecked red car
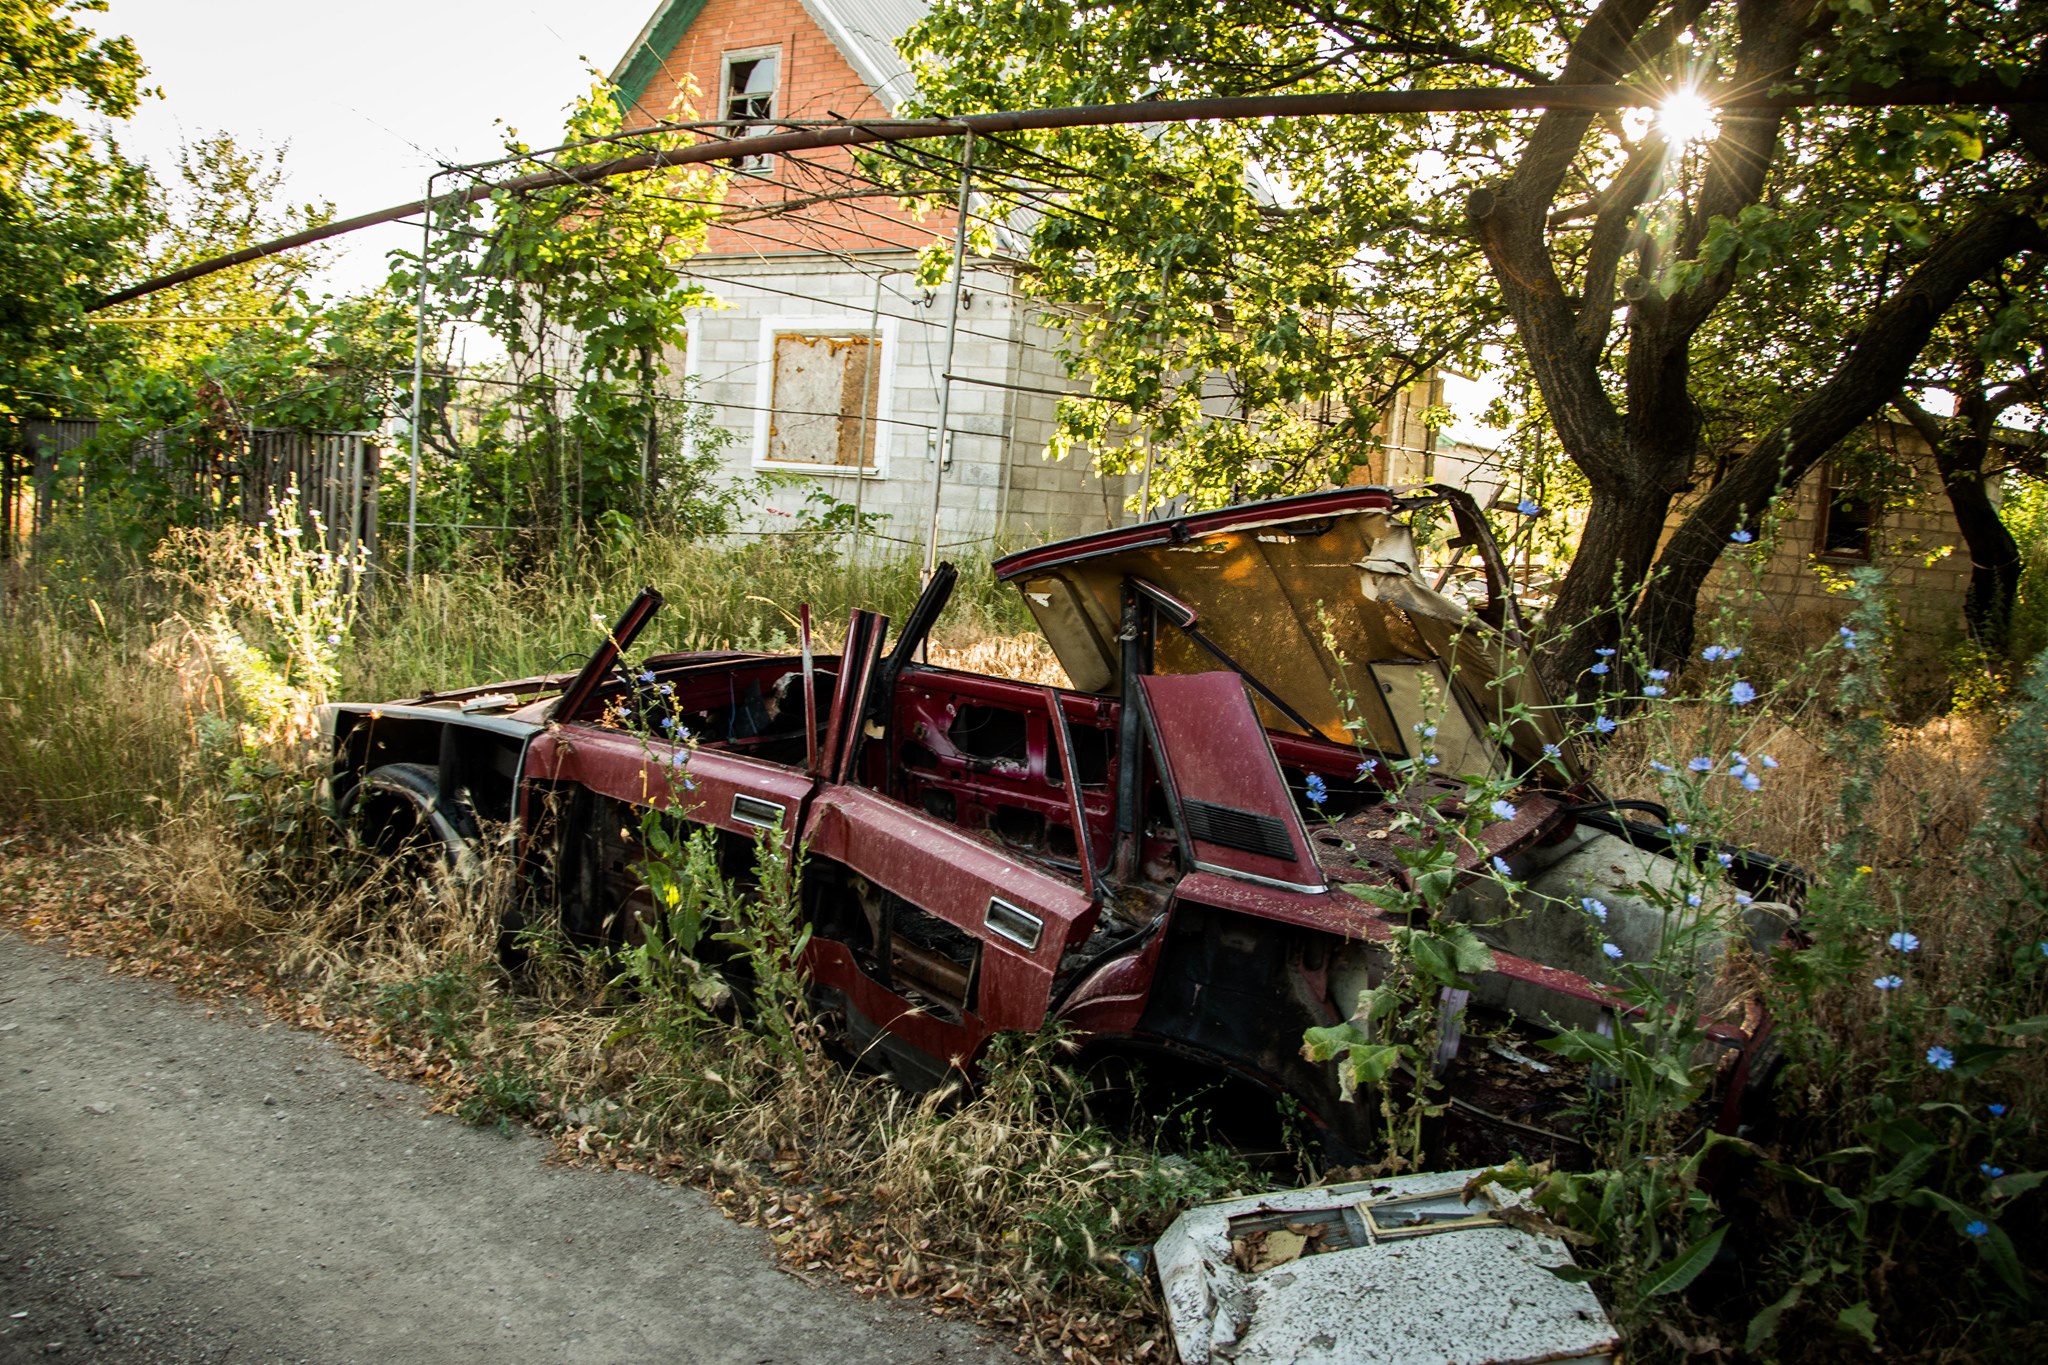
point(1156, 856)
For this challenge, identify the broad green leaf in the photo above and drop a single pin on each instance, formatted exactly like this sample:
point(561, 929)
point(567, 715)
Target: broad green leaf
point(1860, 1320)
point(1675, 1275)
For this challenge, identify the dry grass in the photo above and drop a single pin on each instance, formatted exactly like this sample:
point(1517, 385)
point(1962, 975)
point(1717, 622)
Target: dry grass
point(1023, 658)
point(1928, 795)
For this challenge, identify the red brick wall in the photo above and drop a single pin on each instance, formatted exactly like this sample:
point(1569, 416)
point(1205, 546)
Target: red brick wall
point(815, 82)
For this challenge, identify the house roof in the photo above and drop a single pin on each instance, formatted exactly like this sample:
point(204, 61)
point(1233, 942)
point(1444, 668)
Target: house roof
point(864, 31)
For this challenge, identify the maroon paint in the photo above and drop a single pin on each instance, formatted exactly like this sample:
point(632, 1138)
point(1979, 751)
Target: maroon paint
point(1214, 750)
point(1177, 530)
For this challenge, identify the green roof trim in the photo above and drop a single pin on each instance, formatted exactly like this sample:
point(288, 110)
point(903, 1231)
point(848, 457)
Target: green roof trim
point(656, 42)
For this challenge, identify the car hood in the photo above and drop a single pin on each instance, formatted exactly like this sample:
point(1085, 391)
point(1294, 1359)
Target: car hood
point(1320, 602)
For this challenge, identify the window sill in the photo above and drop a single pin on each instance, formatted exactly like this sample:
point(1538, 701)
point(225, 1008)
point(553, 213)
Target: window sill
point(839, 470)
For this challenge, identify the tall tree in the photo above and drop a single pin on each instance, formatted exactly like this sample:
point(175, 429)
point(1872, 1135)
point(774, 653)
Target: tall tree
point(1989, 363)
point(70, 204)
point(1316, 262)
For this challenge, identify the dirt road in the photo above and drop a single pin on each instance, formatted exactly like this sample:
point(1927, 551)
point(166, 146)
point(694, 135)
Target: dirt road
point(178, 1188)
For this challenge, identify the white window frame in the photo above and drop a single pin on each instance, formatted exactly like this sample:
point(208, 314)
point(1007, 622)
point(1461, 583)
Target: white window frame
point(758, 164)
point(883, 332)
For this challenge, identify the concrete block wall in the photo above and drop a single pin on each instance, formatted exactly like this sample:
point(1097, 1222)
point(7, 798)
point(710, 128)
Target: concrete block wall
point(1914, 539)
point(998, 490)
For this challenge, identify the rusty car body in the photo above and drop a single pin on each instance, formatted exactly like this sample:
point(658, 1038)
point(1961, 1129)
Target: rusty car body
point(1143, 855)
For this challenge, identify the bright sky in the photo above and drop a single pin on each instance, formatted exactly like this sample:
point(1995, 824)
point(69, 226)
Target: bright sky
point(371, 95)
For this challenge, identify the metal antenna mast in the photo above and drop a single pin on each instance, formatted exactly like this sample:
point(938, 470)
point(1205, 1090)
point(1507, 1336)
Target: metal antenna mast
point(419, 365)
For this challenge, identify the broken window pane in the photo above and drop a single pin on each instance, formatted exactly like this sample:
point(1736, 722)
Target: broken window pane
point(750, 80)
point(1845, 519)
point(826, 398)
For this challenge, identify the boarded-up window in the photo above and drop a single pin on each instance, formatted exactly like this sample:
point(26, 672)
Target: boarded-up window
point(826, 402)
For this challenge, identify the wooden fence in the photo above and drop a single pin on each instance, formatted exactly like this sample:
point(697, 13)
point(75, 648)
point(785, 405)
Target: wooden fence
point(244, 475)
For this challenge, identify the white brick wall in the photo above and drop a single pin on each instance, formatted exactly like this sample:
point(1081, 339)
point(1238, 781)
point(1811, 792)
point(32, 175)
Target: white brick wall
point(999, 485)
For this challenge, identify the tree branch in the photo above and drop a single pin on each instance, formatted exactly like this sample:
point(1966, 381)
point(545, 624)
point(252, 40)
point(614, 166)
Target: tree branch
point(1869, 376)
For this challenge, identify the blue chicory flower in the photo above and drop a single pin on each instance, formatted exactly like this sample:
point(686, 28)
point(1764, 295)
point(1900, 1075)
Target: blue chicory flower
point(1680, 827)
point(333, 639)
point(1612, 950)
point(1431, 760)
point(668, 722)
point(1752, 782)
point(1551, 751)
point(1605, 724)
point(1941, 1059)
point(1594, 908)
point(1528, 507)
point(1903, 941)
point(1997, 1111)
point(1500, 865)
point(679, 758)
point(1725, 859)
point(1604, 653)
point(1742, 694)
point(1692, 900)
point(1712, 653)
point(1990, 1171)
point(1659, 674)
point(1657, 767)
point(1889, 983)
point(1741, 537)
point(1652, 690)
point(1503, 810)
point(1744, 898)
point(1598, 670)
point(2043, 945)
point(1768, 761)
point(1700, 764)
point(1977, 1227)
point(1366, 765)
point(645, 675)
point(1849, 640)
point(1316, 791)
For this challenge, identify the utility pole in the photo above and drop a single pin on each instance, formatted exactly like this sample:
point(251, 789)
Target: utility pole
point(419, 365)
point(943, 447)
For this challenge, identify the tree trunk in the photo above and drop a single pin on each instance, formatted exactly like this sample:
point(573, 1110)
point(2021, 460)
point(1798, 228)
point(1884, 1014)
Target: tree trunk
point(1869, 376)
point(1994, 558)
point(1960, 453)
point(1622, 529)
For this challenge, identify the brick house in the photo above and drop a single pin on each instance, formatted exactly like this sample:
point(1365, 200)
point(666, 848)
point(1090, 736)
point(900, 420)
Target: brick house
point(1833, 523)
point(825, 362)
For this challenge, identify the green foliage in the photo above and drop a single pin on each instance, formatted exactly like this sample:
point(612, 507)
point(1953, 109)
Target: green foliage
point(440, 1008)
point(584, 274)
point(71, 207)
point(505, 1097)
point(1251, 294)
point(202, 363)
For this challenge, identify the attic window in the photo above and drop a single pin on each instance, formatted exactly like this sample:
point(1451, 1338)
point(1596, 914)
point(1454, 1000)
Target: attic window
point(749, 97)
point(1845, 520)
point(827, 400)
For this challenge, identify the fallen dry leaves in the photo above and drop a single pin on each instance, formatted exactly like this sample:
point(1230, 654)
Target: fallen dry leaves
point(78, 897)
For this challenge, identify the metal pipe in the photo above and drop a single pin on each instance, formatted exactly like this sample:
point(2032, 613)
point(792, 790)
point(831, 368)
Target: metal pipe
point(1503, 99)
point(942, 444)
point(867, 392)
point(419, 358)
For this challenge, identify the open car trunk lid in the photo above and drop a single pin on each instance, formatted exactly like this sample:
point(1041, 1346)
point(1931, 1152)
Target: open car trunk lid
point(1320, 602)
